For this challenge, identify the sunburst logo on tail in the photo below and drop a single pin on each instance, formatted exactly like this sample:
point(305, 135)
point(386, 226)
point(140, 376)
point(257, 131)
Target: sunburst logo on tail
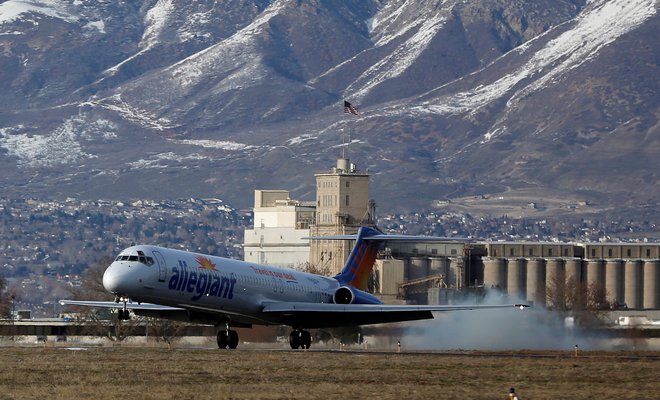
point(206, 263)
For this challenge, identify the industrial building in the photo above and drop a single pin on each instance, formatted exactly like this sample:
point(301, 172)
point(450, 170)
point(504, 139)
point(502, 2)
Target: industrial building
point(342, 207)
point(280, 224)
point(438, 272)
point(630, 273)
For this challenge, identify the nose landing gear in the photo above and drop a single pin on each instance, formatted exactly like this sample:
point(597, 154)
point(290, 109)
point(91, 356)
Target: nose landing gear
point(122, 314)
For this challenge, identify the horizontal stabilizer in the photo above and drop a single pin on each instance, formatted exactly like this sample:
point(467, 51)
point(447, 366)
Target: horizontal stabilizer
point(392, 238)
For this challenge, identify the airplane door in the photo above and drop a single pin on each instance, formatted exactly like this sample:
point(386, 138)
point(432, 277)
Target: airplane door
point(162, 267)
point(278, 285)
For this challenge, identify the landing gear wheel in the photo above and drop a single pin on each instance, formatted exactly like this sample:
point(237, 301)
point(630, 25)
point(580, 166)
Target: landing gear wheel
point(294, 339)
point(233, 339)
point(123, 315)
point(298, 339)
point(306, 339)
point(227, 338)
point(223, 339)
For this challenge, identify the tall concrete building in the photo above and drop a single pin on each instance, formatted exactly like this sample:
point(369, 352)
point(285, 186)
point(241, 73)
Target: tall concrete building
point(280, 224)
point(342, 207)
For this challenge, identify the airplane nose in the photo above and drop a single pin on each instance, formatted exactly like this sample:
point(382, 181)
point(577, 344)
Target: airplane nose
point(112, 279)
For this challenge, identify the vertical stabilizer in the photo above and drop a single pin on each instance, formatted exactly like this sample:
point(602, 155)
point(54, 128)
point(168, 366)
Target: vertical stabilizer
point(361, 261)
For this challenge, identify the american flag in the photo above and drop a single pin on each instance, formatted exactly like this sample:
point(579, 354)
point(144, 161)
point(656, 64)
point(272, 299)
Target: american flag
point(349, 108)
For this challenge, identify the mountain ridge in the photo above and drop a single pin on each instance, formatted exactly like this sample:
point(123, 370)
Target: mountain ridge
point(220, 98)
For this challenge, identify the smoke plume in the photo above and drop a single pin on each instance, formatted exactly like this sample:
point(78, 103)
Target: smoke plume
point(494, 329)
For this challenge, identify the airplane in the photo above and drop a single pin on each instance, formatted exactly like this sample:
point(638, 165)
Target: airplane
point(159, 282)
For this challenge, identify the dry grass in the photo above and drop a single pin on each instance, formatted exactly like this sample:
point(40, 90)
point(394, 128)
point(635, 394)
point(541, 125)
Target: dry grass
point(153, 373)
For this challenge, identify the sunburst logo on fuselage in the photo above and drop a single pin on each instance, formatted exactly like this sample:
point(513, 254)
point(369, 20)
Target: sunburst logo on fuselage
point(206, 263)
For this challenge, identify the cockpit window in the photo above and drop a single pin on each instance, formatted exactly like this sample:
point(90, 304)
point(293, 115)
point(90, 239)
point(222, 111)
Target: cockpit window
point(141, 258)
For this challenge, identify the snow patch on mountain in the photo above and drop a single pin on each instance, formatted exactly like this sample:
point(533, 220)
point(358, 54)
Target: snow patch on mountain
point(62, 146)
point(399, 60)
point(602, 22)
point(95, 26)
point(130, 113)
point(165, 160)
point(156, 20)
point(237, 49)
point(300, 139)
point(32, 10)
point(216, 144)
point(595, 30)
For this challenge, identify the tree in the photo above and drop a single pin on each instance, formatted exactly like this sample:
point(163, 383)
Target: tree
point(165, 330)
point(100, 322)
point(314, 269)
point(586, 302)
point(107, 324)
point(5, 299)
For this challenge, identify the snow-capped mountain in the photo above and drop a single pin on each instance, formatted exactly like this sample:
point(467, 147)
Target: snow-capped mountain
point(167, 98)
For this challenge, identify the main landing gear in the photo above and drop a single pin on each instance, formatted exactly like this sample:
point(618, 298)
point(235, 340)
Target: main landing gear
point(227, 338)
point(300, 339)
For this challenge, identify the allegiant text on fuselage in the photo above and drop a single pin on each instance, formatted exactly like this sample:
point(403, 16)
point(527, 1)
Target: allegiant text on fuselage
point(200, 283)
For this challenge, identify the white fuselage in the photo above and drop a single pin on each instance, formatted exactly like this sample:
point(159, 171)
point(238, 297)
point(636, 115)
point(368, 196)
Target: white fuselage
point(207, 283)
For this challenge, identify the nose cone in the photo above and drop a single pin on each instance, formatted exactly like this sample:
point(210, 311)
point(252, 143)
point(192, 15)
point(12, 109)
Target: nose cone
point(112, 279)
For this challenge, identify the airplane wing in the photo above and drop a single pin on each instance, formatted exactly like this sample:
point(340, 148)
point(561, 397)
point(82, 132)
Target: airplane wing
point(328, 315)
point(112, 304)
point(310, 315)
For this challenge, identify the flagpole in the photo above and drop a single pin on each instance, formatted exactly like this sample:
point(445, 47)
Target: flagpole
point(343, 141)
point(349, 137)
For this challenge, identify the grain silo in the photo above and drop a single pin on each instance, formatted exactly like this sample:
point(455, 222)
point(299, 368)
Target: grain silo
point(634, 284)
point(536, 280)
point(652, 284)
point(573, 269)
point(515, 283)
point(595, 272)
point(614, 280)
point(494, 272)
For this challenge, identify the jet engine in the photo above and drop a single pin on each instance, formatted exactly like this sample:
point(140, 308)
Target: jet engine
point(350, 295)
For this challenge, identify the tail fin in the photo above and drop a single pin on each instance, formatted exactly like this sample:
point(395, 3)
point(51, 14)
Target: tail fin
point(361, 261)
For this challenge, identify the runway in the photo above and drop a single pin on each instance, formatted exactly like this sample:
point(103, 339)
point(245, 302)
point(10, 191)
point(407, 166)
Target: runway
point(159, 372)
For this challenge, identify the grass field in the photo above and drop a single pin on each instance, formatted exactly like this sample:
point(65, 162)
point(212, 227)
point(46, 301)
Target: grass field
point(158, 373)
